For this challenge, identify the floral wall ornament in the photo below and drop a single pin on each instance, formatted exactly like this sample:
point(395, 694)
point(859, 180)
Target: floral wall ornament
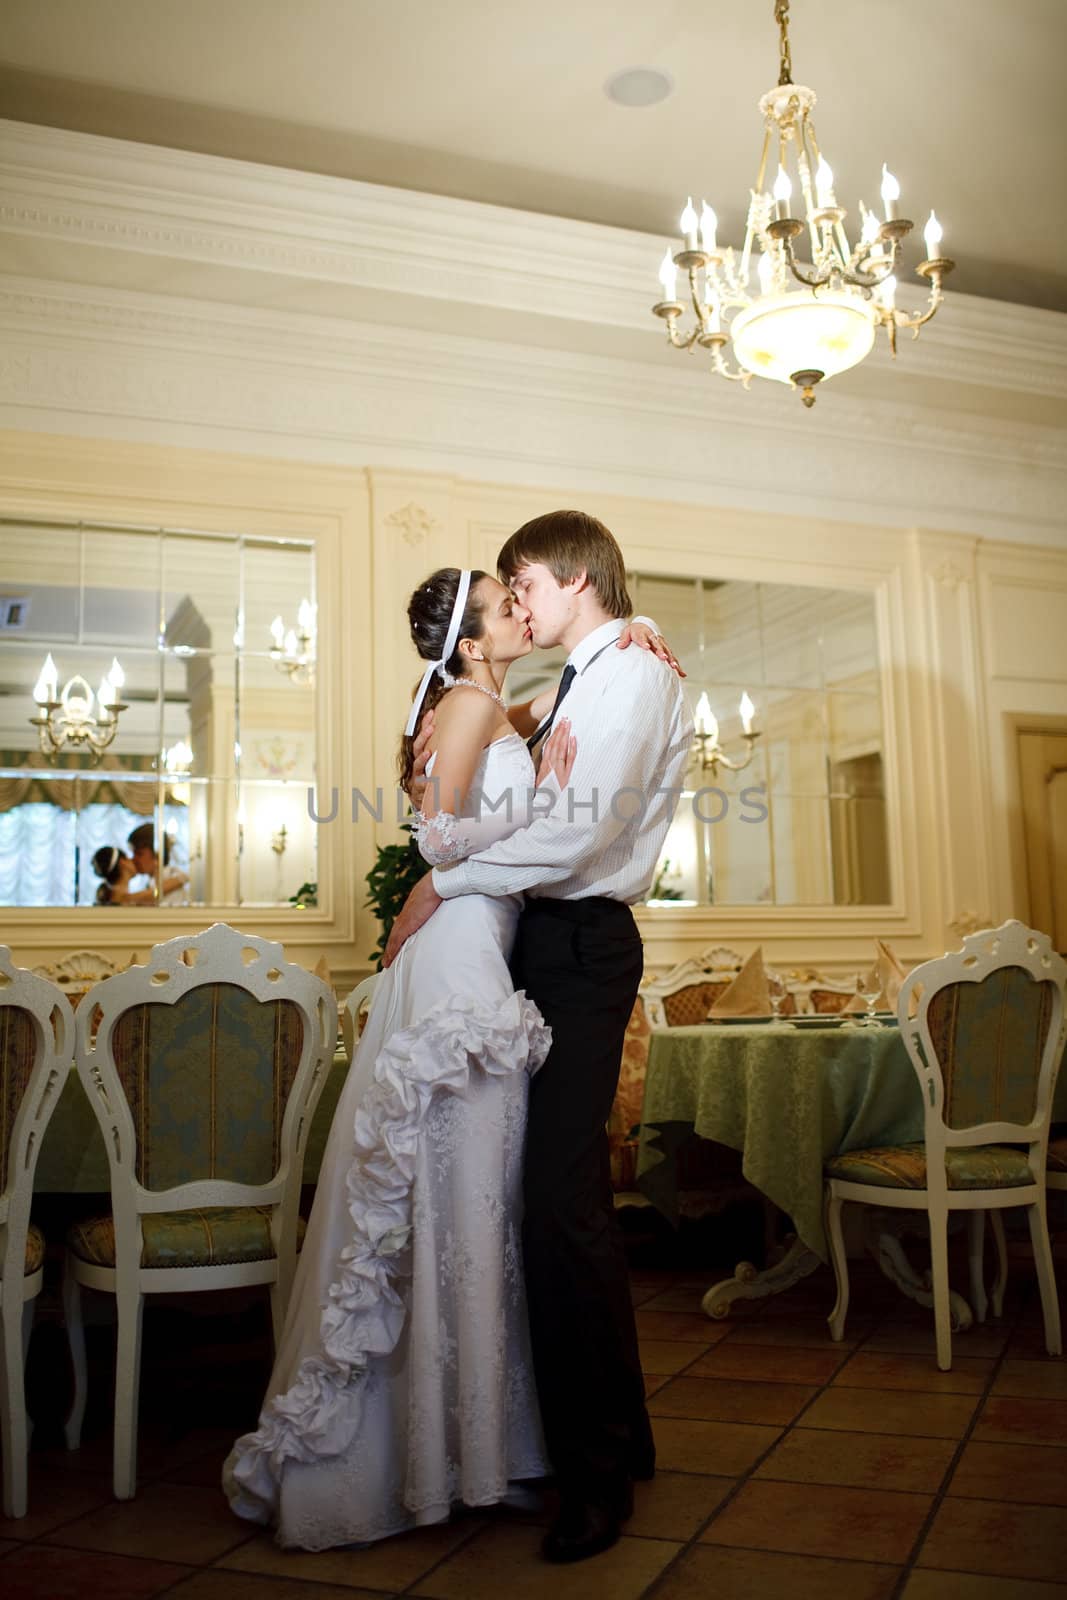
point(949, 576)
point(277, 757)
point(966, 922)
point(413, 523)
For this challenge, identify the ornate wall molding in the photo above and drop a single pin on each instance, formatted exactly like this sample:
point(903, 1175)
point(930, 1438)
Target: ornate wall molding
point(79, 189)
point(123, 364)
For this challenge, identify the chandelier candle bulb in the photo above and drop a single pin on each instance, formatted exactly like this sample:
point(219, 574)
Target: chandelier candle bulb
point(115, 673)
point(748, 713)
point(47, 683)
point(933, 233)
point(704, 718)
point(668, 277)
point(305, 615)
point(709, 223)
point(277, 632)
point(783, 191)
point(824, 183)
point(688, 226)
point(890, 194)
point(106, 694)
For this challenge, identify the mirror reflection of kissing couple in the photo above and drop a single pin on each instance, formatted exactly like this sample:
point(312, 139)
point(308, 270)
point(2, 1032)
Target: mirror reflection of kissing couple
point(460, 1325)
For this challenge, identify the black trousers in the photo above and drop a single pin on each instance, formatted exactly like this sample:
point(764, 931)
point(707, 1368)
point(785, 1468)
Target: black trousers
point(581, 961)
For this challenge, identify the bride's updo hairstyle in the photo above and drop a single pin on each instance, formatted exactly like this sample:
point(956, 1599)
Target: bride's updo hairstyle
point(106, 864)
point(429, 614)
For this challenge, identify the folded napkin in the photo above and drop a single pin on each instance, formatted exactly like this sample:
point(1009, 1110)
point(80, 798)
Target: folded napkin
point(747, 995)
point(886, 975)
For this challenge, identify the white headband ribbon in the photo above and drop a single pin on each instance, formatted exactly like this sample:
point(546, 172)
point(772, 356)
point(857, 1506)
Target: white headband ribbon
point(451, 640)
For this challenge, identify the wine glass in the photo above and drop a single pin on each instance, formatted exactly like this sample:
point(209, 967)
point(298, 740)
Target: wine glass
point(776, 992)
point(869, 987)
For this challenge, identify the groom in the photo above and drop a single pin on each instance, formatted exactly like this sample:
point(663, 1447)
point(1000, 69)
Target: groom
point(578, 955)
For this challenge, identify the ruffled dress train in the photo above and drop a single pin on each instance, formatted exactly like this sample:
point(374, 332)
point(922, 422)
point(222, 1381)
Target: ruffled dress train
point(403, 1385)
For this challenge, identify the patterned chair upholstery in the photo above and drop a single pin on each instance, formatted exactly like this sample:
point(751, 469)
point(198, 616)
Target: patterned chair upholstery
point(625, 1120)
point(675, 1001)
point(203, 1068)
point(829, 999)
point(984, 1040)
point(684, 996)
point(36, 1049)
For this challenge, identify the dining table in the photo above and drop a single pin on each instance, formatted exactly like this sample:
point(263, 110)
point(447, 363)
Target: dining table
point(788, 1097)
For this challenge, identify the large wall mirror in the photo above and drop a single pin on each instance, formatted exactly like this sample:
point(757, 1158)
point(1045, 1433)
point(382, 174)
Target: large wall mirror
point(804, 821)
point(158, 683)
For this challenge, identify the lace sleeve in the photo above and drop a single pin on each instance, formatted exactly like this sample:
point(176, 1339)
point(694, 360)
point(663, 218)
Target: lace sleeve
point(444, 838)
point(439, 838)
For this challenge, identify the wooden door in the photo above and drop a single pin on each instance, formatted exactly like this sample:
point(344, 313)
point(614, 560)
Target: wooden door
point(1043, 786)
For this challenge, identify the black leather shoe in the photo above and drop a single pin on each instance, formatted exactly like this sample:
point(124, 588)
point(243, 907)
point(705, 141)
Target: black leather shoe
point(580, 1531)
point(584, 1528)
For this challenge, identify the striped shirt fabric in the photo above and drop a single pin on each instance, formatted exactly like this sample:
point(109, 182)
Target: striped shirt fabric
point(604, 833)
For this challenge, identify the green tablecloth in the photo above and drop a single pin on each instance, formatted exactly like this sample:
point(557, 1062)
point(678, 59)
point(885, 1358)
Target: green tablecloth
point(73, 1159)
point(787, 1099)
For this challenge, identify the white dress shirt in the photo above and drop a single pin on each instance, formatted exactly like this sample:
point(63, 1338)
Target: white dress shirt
point(604, 833)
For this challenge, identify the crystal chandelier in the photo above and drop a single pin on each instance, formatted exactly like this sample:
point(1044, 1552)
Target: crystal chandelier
point(293, 649)
point(819, 299)
point(66, 720)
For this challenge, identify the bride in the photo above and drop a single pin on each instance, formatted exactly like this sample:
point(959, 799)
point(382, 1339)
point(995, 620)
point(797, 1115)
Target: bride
point(403, 1383)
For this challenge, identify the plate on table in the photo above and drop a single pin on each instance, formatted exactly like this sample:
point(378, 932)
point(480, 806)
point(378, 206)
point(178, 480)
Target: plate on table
point(842, 1019)
point(736, 1022)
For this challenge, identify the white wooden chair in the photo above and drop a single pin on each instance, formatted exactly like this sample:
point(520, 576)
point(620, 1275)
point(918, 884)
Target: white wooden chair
point(985, 1043)
point(358, 1002)
point(36, 1051)
point(684, 995)
point(203, 1068)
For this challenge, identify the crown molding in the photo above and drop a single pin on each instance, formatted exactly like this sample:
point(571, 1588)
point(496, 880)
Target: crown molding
point(80, 189)
point(123, 364)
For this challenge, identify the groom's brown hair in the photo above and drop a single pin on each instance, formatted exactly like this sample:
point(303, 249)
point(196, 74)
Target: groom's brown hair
point(567, 543)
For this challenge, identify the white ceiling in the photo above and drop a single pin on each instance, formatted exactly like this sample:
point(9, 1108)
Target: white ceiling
point(503, 102)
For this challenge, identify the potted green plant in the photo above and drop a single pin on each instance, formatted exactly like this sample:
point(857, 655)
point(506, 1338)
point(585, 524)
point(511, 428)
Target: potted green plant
point(396, 871)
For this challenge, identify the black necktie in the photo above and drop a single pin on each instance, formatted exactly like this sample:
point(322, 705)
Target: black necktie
point(569, 675)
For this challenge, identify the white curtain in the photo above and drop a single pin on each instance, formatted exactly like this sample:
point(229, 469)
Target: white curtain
point(37, 856)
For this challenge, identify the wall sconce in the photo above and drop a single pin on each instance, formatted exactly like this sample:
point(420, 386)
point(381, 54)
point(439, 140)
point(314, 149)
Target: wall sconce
point(706, 742)
point(66, 720)
point(293, 649)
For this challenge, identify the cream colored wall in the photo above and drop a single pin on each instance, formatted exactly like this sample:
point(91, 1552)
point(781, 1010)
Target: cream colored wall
point(970, 639)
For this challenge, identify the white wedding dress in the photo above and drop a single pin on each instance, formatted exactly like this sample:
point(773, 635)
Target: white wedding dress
point(404, 1384)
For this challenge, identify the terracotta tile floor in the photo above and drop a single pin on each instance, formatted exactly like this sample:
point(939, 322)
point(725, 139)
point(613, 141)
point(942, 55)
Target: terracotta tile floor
point(787, 1467)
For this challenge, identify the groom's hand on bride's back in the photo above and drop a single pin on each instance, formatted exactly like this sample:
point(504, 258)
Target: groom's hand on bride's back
point(418, 908)
point(641, 634)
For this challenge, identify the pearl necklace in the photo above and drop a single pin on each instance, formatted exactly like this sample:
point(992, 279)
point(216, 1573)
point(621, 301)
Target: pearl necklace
point(469, 683)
